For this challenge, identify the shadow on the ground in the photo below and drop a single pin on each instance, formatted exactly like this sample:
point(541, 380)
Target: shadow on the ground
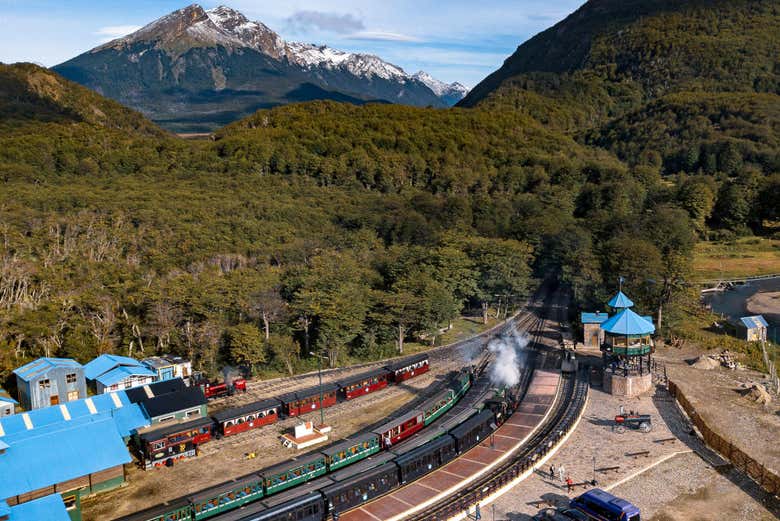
point(683, 430)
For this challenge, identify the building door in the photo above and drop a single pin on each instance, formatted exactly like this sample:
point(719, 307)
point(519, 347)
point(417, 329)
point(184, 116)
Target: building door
point(54, 399)
point(73, 396)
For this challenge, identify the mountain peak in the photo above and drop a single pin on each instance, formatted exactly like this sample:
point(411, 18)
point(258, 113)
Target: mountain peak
point(450, 92)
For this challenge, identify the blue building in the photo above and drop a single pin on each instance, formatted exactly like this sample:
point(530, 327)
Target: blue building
point(753, 328)
point(126, 415)
point(627, 349)
point(71, 459)
point(7, 404)
point(48, 508)
point(114, 373)
point(50, 381)
point(592, 334)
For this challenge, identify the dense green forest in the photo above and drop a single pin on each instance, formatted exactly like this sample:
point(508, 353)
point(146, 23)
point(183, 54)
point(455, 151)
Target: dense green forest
point(351, 230)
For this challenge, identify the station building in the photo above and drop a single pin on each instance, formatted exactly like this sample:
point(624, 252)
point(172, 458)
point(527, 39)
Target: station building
point(50, 381)
point(110, 373)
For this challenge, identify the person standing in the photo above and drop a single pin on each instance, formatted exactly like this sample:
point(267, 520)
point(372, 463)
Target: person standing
point(569, 484)
point(552, 472)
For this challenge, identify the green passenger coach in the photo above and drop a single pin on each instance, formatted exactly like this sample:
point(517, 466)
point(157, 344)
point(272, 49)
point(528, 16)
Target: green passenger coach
point(352, 450)
point(291, 473)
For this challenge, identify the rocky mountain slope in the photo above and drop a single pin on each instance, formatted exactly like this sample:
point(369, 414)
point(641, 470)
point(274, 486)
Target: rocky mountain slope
point(195, 69)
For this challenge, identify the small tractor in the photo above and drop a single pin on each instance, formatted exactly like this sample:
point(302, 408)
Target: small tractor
point(632, 420)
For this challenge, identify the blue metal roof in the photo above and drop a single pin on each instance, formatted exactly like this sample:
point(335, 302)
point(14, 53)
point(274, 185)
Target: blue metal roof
point(593, 318)
point(5, 510)
point(42, 365)
point(49, 508)
point(620, 301)
point(105, 363)
point(756, 321)
point(127, 416)
point(44, 458)
point(626, 322)
point(118, 374)
point(5, 397)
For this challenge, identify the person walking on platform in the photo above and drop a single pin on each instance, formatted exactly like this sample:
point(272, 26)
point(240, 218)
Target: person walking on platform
point(552, 472)
point(569, 485)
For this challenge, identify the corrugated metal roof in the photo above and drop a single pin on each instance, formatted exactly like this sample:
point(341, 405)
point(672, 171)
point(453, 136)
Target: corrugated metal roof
point(174, 402)
point(144, 392)
point(620, 301)
point(756, 321)
point(48, 508)
point(5, 397)
point(127, 416)
point(42, 365)
point(44, 458)
point(118, 374)
point(105, 363)
point(626, 322)
point(593, 318)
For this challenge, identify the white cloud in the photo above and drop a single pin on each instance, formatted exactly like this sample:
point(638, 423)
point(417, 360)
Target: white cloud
point(332, 22)
point(382, 36)
point(112, 32)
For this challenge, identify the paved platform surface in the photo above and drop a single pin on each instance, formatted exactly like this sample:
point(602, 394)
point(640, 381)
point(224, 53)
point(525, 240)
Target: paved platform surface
point(663, 483)
point(457, 474)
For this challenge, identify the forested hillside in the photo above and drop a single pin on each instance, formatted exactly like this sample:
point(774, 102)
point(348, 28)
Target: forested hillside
point(355, 229)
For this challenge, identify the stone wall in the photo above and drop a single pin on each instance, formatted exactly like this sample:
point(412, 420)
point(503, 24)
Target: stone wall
point(619, 385)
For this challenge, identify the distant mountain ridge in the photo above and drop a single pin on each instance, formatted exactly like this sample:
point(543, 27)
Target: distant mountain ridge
point(196, 69)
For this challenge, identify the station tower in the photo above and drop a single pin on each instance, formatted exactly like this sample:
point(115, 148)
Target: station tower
point(627, 349)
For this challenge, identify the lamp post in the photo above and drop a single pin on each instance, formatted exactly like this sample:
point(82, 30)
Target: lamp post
point(319, 374)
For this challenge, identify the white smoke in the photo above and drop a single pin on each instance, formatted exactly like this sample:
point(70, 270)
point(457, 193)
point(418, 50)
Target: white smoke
point(509, 358)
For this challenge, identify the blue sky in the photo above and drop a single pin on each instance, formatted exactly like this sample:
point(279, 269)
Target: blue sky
point(455, 40)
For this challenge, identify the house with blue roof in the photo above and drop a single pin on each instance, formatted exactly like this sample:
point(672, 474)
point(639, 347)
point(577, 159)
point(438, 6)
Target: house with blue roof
point(111, 373)
point(753, 329)
point(7, 404)
point(48, 508)
point(127, 416)
point(50, 381)
point(592, 334)
point(72, 459)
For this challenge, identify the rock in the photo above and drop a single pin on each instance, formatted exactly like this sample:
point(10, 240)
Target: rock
point(759, 394)
point(706, 362)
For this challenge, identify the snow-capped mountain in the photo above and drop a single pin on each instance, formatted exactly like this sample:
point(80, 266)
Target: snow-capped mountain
point(195, 69)
point(451, 93)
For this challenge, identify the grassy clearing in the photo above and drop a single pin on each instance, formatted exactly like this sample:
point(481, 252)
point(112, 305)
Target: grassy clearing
point(744, 257)
point(462, 328)
point(695, 325)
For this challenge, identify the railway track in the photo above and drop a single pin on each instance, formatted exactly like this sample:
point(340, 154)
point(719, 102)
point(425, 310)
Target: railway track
point(563, 418)
point(566, 411)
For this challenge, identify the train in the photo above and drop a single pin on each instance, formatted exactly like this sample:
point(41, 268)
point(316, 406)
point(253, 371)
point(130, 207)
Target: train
point(161, 446)
point(368, 462)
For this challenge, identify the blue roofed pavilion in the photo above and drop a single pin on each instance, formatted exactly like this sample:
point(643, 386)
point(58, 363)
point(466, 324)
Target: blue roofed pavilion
point(48, 508)
point(620, 301)
point(626, 322)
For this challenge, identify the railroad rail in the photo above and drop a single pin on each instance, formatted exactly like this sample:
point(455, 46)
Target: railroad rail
point(564, 417)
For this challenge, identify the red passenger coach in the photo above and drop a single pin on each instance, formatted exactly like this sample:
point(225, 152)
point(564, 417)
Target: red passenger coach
point(364, 383)
point(400, 428)
point(408, 368)
point(308, 400)
point(162, 444)
point(251, 416)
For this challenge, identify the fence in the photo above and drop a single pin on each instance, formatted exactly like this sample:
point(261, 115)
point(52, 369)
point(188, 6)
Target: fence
point(770, 367)
point(767, 479)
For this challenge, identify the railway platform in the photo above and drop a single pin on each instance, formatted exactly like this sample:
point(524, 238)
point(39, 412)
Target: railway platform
point(505, 441)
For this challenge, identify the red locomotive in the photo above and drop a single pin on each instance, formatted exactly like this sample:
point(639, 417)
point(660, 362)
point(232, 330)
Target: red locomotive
point(218, 390)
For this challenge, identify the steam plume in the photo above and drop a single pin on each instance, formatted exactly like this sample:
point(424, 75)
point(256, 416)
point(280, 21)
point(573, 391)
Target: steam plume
point(510, 356)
